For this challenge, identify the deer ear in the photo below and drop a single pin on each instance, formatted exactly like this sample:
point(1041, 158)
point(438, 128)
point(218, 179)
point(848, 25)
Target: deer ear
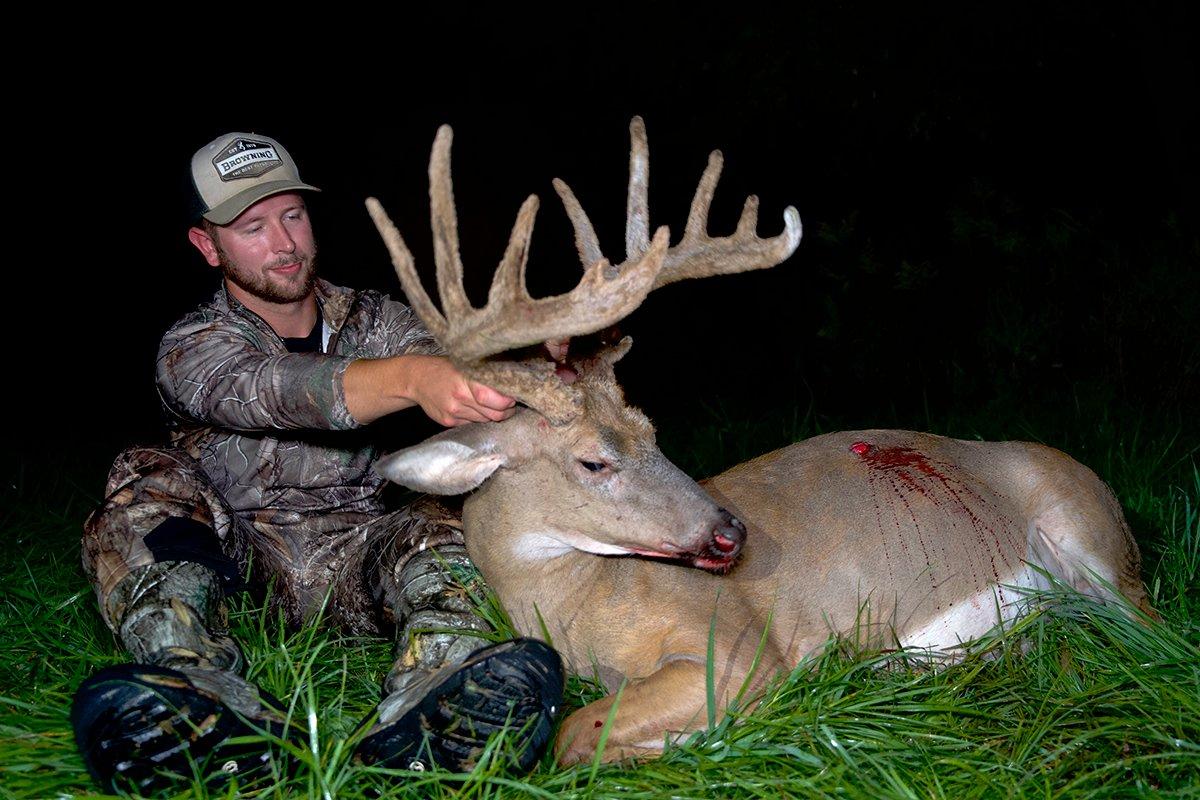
point(446, 464)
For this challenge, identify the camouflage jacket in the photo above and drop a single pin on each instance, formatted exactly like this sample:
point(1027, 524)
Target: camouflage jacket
point(264, 422)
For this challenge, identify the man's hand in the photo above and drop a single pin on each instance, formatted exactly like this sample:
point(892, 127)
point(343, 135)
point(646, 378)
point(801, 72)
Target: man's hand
point(450, 399)
point(375, 387)
point(557, 349)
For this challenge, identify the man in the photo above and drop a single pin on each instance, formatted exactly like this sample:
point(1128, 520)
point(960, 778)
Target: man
point(264, 385)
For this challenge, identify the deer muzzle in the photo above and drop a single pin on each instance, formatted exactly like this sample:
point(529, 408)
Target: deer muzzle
point(720, 552)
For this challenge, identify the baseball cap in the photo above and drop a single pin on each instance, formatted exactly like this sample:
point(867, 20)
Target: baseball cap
point(235, 171)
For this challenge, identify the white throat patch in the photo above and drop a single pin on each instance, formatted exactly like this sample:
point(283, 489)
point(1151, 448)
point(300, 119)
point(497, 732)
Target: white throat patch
point(546, 544)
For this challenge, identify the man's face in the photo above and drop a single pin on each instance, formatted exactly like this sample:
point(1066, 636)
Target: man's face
point(269, 251)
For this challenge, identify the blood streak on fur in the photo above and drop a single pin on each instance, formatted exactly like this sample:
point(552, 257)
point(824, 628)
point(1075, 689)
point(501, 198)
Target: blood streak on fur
point(867, 451)
point(902, 468)
point(860, 448)
point(893, 463)
point(904, 464)
point(893, 458)
point(933, 583)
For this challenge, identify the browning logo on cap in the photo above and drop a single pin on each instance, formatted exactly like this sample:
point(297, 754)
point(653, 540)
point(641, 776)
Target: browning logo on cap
point(235, 171)
point(246, 158)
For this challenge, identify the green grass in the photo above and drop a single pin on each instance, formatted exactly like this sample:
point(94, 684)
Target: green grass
point(1079, 701)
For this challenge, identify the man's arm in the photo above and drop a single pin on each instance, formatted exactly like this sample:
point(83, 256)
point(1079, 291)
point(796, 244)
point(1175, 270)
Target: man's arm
point(216, 373)
point(376, 387)
point(402, 366)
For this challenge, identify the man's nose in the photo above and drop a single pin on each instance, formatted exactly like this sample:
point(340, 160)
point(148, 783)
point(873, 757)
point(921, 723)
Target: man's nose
point(281, 239)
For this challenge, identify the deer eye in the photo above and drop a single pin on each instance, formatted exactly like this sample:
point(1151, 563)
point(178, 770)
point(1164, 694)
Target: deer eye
point(592, 466)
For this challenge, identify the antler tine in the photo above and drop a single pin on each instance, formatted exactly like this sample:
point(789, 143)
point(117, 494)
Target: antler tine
point(403, 261)
point(697, 221)
point(698, 255)
point(748, 222)
point(508, 284)
point(444, 219)
point(637, 208)
point(585, 235)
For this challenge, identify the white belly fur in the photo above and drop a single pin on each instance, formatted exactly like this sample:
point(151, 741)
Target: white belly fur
point(975, 615)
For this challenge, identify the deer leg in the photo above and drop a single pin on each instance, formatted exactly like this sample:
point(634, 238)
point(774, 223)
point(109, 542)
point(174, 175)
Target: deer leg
point(668, 704)
point(1091, 549)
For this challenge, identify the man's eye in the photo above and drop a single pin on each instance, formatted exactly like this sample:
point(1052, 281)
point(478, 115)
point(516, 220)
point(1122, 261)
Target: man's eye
point(592, 466)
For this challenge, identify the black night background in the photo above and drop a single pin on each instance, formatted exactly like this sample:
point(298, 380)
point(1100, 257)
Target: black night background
point(999, 204)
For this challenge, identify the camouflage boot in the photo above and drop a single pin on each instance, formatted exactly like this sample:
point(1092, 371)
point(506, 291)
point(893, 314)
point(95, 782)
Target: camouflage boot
point(142, 727)
point(449, 691)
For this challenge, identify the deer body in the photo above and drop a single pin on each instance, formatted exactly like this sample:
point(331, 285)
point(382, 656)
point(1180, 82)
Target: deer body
point(578, 521)
point(916, 541)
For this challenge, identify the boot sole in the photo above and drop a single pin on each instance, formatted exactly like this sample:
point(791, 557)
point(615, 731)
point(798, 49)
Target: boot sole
point(513, 686)
point(143, 727)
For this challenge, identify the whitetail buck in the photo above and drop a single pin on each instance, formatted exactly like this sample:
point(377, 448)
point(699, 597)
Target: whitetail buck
point(575, 516)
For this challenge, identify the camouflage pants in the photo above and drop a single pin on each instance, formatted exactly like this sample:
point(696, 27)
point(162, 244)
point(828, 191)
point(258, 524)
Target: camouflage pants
point(161, 509)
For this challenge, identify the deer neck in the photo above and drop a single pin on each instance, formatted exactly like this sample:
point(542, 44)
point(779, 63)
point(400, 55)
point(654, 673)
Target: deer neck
point(524, 554)
point(504, 526)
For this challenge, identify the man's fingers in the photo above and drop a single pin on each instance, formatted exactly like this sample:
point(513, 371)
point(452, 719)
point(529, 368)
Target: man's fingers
point(463, 415)
point(460, 401)
point(558, 349)
point(499, 415)
point(485, 404)
point(488, 398)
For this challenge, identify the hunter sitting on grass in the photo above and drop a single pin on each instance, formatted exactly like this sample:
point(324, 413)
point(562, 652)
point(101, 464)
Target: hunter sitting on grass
point(255, 381)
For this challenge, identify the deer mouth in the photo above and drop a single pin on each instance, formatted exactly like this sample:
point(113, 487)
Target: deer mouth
point(718, 553)
point(717, 563)
point(722, 565)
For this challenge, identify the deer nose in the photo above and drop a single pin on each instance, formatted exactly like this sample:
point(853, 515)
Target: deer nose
point(729, 534)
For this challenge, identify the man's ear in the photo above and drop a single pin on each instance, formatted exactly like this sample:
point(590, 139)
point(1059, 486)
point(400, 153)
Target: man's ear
point(453, 462)
point(205, 244)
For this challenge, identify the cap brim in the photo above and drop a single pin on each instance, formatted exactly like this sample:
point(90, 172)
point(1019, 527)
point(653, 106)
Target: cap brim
point(232, 208)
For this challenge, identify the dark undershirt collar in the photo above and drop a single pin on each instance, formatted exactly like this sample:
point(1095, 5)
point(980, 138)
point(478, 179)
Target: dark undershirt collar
point(305, 344)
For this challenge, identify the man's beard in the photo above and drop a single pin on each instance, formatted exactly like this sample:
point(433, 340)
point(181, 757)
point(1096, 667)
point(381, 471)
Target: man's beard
point(256, 284)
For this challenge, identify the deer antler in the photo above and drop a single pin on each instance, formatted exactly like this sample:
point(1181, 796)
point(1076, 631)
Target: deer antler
point(697, 255)
point(605, 295)
point(512, 319)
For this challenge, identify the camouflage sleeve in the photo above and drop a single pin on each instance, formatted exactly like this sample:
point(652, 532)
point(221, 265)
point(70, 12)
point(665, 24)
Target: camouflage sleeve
point(396, 331)
point(214, 374)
